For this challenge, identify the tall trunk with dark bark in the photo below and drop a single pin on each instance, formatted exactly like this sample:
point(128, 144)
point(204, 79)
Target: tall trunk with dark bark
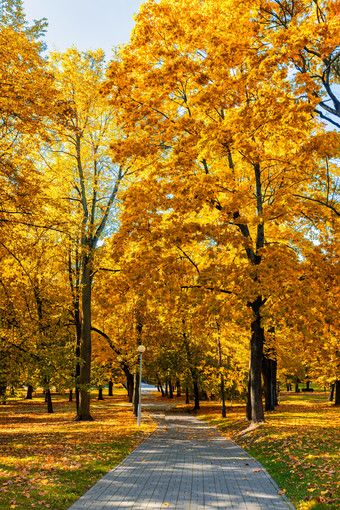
point(100, 393)
point(297, 389)
point(48, 400)
point(254, 405)
point(135, 399)
point(160, 387)
point(74, 281)
point(196, 395)
point(269, 372)
point(85, 346)
point(171, 393)
point(224, 412)
point(331, 392)
point(93, 222)
point(77, 372)
point(29, 394)
point(3, 388)
point(129, 382)
point(178, 386)
point(248, 403)
point(161, 390)
point(256, 355)
point(110, 388)
point(337, 393)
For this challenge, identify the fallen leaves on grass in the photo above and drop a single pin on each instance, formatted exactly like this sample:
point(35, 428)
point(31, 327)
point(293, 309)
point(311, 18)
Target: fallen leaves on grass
point(298, 445)
point(49, 460)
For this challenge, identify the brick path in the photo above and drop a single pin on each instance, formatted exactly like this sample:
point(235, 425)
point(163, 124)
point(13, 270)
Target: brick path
point(185, 465)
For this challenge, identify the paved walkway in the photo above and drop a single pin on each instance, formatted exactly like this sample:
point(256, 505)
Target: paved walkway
point(185, 465)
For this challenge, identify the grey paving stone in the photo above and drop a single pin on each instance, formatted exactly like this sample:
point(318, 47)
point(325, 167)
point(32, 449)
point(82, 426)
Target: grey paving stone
point(185, 465)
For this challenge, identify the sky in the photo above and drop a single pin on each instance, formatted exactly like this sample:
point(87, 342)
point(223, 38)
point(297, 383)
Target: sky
point(86, 24)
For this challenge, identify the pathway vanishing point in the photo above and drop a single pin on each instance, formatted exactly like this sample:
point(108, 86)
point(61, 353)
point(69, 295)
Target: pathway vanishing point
point(185, 464)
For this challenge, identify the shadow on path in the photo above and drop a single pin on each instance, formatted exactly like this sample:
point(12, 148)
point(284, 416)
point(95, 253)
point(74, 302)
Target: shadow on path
point(185, 464)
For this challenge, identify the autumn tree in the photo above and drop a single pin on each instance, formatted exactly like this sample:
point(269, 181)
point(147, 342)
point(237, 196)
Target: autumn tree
point(179, 320)
point(27, 100)
point(229, 144)
point(308, 32)
point(34, 310)
point(82, 136)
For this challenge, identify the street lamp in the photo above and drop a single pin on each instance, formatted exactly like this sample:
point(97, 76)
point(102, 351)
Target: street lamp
point(141, 349)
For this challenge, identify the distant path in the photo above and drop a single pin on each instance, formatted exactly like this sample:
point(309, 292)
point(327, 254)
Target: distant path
point(185, 465)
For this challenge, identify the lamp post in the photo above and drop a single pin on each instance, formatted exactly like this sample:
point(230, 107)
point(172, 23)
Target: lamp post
point(141, 349)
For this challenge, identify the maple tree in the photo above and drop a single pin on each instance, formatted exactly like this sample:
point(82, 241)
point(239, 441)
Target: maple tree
point(308, 34)
point(91, 181)
point(229, 144)
point(27, 100)
point(178, 324)
point(34, 311)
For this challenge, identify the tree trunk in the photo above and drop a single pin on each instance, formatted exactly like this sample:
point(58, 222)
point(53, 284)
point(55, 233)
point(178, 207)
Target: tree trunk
point(166, 389)
point(135, 392)
point(171, 393)
point(110, 388)
point(78, 342)
point(85, 345)
point(29, 394)
point(248, 404)
point(297, 389)
point(100, 393)
point(73, 274)
point(160, 387)
point(256, 355)
point(130, 386)
point(129, 382)
point(178, 386)
point(331, 392)
point(196, 396)
point(224, 412)
point(48, 400)
point(277, 388)
point(269, 380)
point(3, 388)
point(70, 396)
point(187, 396)
point(337, 393)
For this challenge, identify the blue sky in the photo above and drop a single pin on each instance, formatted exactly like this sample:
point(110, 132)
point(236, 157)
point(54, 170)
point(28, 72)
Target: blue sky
point(87, 24)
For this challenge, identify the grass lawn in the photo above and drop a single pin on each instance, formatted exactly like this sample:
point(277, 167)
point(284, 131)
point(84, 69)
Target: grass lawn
point(50, 460)
point(299, 445)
